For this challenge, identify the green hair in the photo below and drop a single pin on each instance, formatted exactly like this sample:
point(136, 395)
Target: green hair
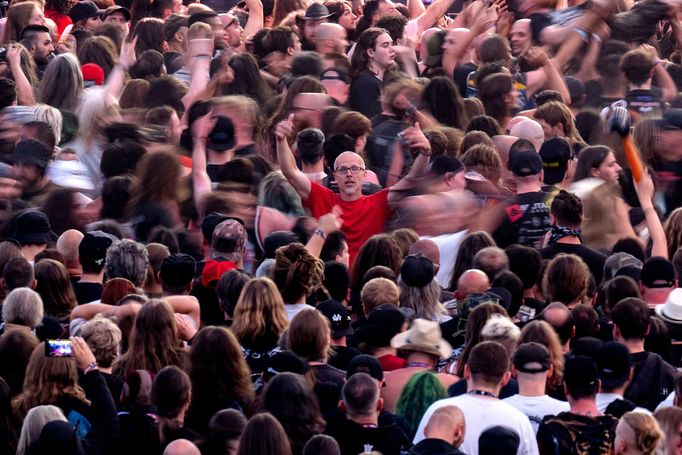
point(422, 390)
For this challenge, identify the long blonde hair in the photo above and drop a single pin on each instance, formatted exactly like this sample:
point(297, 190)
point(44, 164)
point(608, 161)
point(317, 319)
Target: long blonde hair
point(47, 379)
point(673, 231)
point(259, 312)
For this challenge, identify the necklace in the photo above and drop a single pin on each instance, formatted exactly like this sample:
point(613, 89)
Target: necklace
point(419, 364)
point(483, 393)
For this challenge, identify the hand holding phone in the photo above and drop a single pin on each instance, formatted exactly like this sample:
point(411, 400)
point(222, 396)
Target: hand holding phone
point(58, 348)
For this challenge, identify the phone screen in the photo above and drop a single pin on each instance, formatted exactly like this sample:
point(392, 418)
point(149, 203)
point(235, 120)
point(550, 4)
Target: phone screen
point(58, 348)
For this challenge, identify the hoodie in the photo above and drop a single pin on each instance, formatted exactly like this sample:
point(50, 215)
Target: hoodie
point(652, 381)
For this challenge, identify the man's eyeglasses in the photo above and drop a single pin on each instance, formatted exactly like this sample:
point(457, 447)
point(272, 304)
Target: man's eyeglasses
point(353, 170)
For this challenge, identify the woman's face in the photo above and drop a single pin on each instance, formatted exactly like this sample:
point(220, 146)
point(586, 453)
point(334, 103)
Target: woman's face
point(37, 17)
point(675, 442)
point(347, 19)
point(608, 170)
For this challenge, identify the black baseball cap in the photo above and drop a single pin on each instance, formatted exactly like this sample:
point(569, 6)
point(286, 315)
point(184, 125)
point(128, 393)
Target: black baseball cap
point(116, 9)
point(417, 271)
point(658, 272)
point(672, 120)
point(338, 318)
point(84, 10)
point(531, 358)
point(364, 363)
point(555, 154)
point(580, 371)
point(614, 365)
point(444, 164)
point(92, 251)
point(221, 137)
point(525, 163)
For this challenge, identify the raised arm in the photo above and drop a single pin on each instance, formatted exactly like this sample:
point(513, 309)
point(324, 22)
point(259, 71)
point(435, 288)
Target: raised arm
point(185, 304)
point(551, 77)
point(201, 182)
point(199, 81)
point(417, 142)
point(645, 193)
point(25, 95)
point(117, 77)
point(286, 160)
point(484, 20)
point(431, 15)
point(255, 20)
point(327, 223)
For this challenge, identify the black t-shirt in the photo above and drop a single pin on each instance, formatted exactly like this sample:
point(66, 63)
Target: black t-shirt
point(87, 292)
point(365, 92)
point(342, 357)
point(594, 259)
point(525, 220)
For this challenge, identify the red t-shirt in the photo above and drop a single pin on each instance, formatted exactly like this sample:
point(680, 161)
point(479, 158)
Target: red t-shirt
point(390, 362)
point(362, 218)
point(62, 20)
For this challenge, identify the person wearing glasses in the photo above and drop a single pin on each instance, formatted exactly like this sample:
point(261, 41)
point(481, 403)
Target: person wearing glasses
point(362, 216)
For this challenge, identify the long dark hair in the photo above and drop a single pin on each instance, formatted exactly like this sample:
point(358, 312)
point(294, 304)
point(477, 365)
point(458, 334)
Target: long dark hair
point(380, 249)
point(445, 103)
point(492, 91)
point(171, 391)
point(471, 244)
point(590, 158)
point(366, 40)
point(247, 80)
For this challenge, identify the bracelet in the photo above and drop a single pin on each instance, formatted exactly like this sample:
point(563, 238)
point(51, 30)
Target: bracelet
point(320, 232)
point(91, 366)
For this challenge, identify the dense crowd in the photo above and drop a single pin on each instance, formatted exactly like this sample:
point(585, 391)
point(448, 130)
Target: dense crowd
point(341, 227)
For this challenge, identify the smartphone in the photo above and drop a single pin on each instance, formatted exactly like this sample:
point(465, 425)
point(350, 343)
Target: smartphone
point(58, 348)
point(65, 34)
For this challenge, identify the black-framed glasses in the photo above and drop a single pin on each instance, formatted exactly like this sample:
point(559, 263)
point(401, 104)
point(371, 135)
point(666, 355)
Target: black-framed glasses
point(353, 170)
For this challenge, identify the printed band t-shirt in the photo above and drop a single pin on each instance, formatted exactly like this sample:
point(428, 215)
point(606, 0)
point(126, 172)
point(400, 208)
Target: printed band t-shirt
point(362, 218)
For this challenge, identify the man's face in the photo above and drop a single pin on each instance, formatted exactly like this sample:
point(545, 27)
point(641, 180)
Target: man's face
point(349, 173)
point(344, 256)
point(42, 48)
point(384, 54)
point(28, 174)
point(338, 40)
point(519, 37)
point(307, 108)
point(310, 28)
point(347, 19)
point(9, 190)
point(174, 130)
point(219, 33)
point(387, 7)
point(118, 19)
point(233, 30)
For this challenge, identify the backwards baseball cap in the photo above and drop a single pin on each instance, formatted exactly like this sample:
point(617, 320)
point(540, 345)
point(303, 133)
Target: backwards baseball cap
point(531, 358)
point(658, 272)
point(434, 48)
point(417, 271)
point(618, 261)
point(555, 154)
point(672, 120)
point(221, 137)
point(525, 163)
point(213, 271)
point(580, 371)
point(31, 151)
point(84, 10)
point(364, 363)
point(614, 365)
point(444, 164)
point(92, 251)
point(93, 74)
point(498, 440)
point(338, 318)
point(229, 239)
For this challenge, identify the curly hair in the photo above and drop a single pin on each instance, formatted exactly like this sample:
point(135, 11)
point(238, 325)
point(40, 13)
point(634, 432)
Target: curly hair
point(296, 272)
point(102, 336)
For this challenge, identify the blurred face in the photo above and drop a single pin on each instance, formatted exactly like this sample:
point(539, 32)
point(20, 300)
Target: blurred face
point(383, 53)
point(9, 190)
point(174, 130)
point(336, 86)
point(347, 19)
point(608, 169)
point(92, 23)
point(310, 28)
point(42, 48)
point(386, 7)
point(344, 257)
point(674, 444)
point(37, 18)
point(234, 31)
point(519, 37)
point(349, 173)
point(27, 174)
point(220, 38)
point(117, 19)
point(550, 130)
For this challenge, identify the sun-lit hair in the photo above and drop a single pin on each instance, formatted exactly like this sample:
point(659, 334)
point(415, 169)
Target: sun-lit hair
point(259, 312)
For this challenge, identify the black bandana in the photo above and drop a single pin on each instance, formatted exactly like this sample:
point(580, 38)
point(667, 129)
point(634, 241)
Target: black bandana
point(559, 232)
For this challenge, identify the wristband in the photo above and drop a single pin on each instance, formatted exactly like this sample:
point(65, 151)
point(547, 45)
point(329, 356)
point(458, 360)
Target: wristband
point(320, 232)
point(91, 366)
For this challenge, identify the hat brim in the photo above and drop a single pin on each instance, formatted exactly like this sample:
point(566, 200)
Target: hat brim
point(611, 383)
point(37, 238)
point(400, 341)
point(348, 331)
point(317, 18)
point(120, 9)
point(659, 312)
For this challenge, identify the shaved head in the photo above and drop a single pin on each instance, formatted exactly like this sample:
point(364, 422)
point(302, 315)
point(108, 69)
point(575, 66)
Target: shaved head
point(472, 281)
point(426, 248)
point(531, 130)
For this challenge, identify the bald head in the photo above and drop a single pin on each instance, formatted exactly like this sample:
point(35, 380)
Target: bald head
point(330, 37)
point(349, 158)
point(68, 243)
point(426, 36)
point(519, 37)
point(181, 447)
point(529, 129)
point(446, 423)
point(426, 248)
point(472, 282)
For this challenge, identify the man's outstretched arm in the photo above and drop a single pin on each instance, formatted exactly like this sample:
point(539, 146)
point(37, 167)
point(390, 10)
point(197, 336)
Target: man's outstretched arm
point(285, 158)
